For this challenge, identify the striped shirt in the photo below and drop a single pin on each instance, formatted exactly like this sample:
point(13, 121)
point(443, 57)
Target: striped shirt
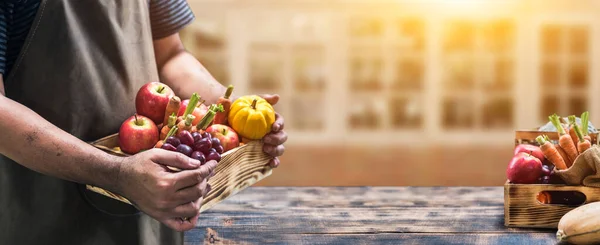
point(166, 17)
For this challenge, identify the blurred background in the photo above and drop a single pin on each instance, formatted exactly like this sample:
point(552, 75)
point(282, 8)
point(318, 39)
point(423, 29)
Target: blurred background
point(393, 92)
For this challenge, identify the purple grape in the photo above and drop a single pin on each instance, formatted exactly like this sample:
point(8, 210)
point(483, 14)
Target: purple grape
point(174, 141)
point(168, 147)
point(212, 150)
point(203, 146)
point(215, 142)
point(185, 149)
point(186, 137)
point(545, 179)
point(199, 156)
point(213, 156)
point(206, 135)
point(546, 170)
point(197, 137)
point(219, 149)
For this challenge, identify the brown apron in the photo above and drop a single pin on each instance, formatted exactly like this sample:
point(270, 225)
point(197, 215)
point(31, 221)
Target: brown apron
point(80, 68)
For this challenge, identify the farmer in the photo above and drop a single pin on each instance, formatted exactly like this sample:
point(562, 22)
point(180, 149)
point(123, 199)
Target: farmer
point(69, 73)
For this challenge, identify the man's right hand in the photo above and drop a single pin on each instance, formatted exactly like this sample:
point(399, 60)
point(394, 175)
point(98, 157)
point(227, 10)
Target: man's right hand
point(167, 196)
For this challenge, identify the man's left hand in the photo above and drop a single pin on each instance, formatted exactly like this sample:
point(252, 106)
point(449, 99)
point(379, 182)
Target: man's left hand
point(273, 141)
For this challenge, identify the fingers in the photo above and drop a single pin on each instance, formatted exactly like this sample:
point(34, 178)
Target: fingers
point(174, 159)
point(278, 124)
point(182, 225)
point(190, 194)
point(274, 150)
point(274, 163)
point(189, 178)
point(271, 98)
point(277, 138)
point(187, 210)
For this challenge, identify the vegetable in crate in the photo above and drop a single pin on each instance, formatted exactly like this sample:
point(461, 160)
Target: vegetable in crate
point(564, 140)
point(151, 101)
point(137, 133)
point(582, 144)
point(524, 169)
point(580, 225)
point(551, 152)
point(549, 126)
point(251, 116)
point(187, 123)
point(571, 130)
point(221, 117)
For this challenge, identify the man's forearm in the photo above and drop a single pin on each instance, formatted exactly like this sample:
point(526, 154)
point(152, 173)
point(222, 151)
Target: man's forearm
point(35, 143)
point(186, 75)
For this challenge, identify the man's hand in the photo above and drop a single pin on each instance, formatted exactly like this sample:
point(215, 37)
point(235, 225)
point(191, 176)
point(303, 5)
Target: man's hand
point(273, 141)
point(173, 198)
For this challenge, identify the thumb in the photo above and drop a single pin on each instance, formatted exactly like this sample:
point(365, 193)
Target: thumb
point(173, 159)
point(271, 98)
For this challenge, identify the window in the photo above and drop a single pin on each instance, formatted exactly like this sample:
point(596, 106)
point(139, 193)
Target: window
point(308, 99)
point(478, 74)
point(564, 69)
point(265, 67)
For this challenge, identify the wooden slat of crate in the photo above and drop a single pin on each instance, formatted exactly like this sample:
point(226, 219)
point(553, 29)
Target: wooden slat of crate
point(238, 169)
point(522, 209)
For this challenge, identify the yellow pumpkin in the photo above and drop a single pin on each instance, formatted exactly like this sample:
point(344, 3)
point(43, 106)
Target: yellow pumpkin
point(251, 117)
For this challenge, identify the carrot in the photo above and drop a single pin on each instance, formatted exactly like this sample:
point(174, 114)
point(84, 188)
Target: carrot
point(186, 124)
point(564, 139)
point(582, 143)
point(160, 143)
point(564, 155)
point(172, 107)
point(572, 122)
point(165, 129)
point(551, 152)
point(585, 117)
point(208, 118)
point(221, 117)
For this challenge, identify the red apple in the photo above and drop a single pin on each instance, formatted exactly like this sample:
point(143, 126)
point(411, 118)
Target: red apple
point(198, 112)
point(524, 168)
point(228, 137)
point(151, 101)
point(137, 133)
point(531, 149)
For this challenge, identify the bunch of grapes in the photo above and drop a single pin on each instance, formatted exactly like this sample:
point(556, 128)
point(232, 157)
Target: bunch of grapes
point(200, 146)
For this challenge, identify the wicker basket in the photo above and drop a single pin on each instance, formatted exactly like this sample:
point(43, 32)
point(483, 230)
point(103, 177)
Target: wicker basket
point(239, 168)
point(522, 207)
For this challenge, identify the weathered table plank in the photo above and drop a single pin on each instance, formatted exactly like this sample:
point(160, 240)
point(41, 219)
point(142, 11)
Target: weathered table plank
point(363, 215)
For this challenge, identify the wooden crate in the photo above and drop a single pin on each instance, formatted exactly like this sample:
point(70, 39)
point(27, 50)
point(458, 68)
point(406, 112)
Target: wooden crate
point(521, 205)
point(239, 168)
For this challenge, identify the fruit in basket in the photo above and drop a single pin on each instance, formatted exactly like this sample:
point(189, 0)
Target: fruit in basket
point(194, 145)
point(251, 116)
point(199, 110)
point(185, 149)
point(137, 133)
point(185, 137)
point(225, 134)
point(524, 169)
point(151, 101)
point(531, 149)
point(580, 225)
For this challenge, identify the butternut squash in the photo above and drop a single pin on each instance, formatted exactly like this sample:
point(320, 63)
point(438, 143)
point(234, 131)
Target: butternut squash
point(580, 225)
